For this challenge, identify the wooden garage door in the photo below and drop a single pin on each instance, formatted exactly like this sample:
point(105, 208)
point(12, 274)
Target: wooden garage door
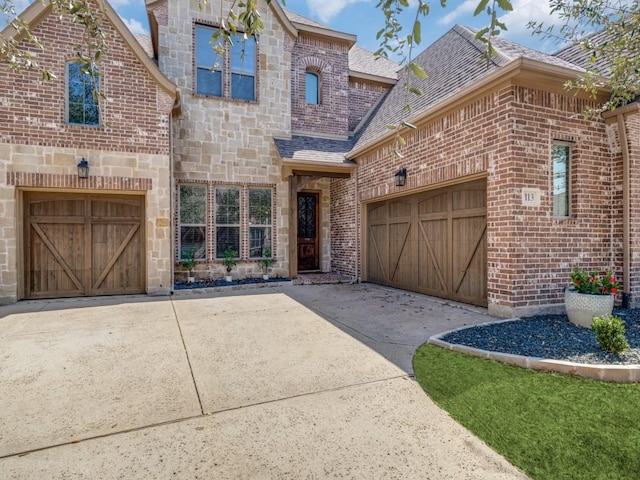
point(83, 245)
point(433, 242)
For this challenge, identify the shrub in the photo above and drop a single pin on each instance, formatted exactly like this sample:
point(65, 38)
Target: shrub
point(610, 333)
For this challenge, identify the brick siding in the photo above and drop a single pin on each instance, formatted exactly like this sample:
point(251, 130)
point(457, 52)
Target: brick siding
point(134, 118)
point(508, 134)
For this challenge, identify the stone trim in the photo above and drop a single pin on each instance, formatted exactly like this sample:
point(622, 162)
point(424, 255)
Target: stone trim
point(55, 180)
point(607, 373)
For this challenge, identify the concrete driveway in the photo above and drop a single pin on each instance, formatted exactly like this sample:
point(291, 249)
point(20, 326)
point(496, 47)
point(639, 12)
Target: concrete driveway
point(288, 382)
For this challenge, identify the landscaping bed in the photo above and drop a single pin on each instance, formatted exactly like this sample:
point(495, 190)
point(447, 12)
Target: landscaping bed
point(551, 336)
point(223, 283)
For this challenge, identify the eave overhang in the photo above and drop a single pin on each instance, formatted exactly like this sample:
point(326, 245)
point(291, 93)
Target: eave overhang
point(521, 71)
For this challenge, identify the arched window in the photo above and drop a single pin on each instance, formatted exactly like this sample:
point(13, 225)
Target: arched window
point(312, 85)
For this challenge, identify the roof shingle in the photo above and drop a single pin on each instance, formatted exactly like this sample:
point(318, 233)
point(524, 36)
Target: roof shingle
point(452, 63)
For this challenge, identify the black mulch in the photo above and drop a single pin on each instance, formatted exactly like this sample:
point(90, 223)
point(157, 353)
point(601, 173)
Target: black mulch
point(223, 283)
point(551, 336)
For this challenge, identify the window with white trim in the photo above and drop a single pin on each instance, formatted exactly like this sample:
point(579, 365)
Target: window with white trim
point(561, 158)
point(222, 69)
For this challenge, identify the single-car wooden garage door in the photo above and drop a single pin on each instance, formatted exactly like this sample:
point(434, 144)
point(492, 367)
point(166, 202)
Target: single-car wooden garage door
point(83, 244)
point(433, 242)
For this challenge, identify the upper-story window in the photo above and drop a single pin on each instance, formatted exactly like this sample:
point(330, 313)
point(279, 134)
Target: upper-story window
point(228, 72)
point(312, 88)
point(561, 157)
point(82, 98)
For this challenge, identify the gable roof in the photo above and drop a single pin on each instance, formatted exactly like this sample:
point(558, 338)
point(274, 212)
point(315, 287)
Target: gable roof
point(364, 62)
point(38, 11)
point(452, 63)
point(306, 25)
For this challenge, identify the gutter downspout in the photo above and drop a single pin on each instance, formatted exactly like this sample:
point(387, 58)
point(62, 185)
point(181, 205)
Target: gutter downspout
point(172, 208)
point(626, 206)
point(356, 227)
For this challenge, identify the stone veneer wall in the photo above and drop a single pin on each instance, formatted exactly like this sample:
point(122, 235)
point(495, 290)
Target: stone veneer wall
point(508, 135)
point(219, 141)
point(34, 138)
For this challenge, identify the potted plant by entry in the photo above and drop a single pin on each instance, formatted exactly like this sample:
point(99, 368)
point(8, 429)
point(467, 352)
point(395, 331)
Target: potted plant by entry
point(266, 262)
point(589, 295)
point(229, 261)
point(189, 262)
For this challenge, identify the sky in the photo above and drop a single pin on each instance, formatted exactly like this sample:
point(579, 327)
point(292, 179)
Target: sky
point(360, 17)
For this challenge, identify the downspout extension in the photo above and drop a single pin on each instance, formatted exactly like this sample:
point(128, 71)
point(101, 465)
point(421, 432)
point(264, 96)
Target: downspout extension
point(626, 206)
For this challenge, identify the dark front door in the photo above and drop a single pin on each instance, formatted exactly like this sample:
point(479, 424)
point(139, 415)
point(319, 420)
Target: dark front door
point(308, 252)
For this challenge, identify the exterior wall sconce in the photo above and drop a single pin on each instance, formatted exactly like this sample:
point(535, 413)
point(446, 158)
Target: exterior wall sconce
point(83, 169)
point(401, 177)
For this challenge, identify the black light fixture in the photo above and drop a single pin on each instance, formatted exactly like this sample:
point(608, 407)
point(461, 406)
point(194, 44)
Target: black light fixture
point(83, 169)
point(401, 177)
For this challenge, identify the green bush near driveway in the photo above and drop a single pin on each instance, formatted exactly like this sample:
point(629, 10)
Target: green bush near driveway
point(552, 426)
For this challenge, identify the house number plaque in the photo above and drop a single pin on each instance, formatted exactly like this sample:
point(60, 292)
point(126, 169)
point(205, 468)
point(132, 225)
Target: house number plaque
point(531, 197)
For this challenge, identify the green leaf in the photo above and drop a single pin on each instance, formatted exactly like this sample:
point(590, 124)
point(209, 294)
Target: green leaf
point(417, 70)
point(416, 91)
point(416, 31)
point(392, 127)
point(409, 125)
point(480, 8)
point(401, 141)
point(505, 5)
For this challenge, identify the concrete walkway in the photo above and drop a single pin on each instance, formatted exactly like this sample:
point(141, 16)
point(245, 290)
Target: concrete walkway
point(288, 382)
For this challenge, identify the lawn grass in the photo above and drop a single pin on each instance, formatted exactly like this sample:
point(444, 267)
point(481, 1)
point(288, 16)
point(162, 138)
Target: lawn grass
point(551, 426)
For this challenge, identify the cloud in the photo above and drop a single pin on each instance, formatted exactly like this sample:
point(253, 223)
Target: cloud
point(468, 6)
point(525, 11)
point(326, 10)
point(135, 26)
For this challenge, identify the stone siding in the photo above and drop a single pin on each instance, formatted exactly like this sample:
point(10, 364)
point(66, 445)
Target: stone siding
point(221, 141)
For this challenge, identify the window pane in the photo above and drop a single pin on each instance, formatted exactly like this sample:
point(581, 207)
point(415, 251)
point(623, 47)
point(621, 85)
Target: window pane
point(561, 180)
point(205, 55)
point(311, 81)
point(209, 82)
point(260, 207)
point(243, 87)
point(227, 206)
point(259, 239)
point(193, 204)
point(243, 55)
point(227, 237)
point(193, 237)
point(82, 103)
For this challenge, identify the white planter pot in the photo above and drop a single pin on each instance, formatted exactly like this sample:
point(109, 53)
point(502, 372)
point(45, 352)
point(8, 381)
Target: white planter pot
point(582, 307)
point(191, 279)
point(265, 276)
point(228, 278)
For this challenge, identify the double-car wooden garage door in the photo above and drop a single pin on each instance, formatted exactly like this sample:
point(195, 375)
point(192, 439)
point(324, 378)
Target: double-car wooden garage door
point(433, 242)
point(83, 245)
